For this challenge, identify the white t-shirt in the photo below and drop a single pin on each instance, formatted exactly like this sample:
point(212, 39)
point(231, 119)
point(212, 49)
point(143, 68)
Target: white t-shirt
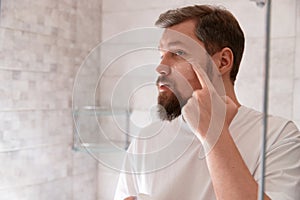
point(167, 162)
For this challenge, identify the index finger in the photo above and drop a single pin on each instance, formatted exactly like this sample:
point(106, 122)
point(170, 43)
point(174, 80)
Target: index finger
point(212, 80)
point(202, 76)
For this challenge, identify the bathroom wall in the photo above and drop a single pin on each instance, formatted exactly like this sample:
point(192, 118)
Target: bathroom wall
point(296, 90)
point(42, 44)
point(284, 93)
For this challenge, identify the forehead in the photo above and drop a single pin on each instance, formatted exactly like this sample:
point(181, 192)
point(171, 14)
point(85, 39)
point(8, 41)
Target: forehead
point(182, 33)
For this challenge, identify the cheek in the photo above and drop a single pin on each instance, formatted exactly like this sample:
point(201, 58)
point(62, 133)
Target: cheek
point(186, 80)
point(186, 71)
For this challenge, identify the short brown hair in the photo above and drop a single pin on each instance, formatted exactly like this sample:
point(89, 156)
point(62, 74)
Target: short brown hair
point(216, 28)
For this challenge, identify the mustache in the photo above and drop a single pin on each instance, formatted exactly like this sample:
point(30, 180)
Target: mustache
point(162, 80)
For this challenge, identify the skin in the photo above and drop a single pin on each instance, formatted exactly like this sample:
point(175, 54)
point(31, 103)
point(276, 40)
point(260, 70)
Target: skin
point(130, 198)
point(230, 176)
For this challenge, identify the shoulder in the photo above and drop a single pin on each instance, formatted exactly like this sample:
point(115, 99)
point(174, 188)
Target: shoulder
point(279, 129)
point(247, 115)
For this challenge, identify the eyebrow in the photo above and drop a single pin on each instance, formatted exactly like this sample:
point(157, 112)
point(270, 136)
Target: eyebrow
point(172, 44)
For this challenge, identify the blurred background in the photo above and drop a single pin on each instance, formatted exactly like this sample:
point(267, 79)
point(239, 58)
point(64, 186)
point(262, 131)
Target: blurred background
point(42, 46)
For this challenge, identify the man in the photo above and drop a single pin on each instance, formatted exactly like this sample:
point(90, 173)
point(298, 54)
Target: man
point(212, 150)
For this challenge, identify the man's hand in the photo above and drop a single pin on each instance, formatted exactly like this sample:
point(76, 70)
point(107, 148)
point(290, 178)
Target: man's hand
point(130, 198)
point(206, 112)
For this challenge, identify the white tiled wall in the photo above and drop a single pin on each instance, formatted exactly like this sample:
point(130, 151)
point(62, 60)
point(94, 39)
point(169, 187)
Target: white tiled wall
point(285, 71)
point(42, 44)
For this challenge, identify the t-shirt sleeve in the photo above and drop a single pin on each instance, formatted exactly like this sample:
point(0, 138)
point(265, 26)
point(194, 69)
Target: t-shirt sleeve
point(282, 172)
point(127, 185)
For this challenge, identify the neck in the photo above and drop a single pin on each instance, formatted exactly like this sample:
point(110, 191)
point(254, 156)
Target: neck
point(229, 89)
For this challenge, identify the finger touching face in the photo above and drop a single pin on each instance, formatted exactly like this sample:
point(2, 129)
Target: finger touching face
point(180, 49)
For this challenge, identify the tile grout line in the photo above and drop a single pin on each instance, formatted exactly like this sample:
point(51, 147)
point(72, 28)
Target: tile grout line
point(35, 109)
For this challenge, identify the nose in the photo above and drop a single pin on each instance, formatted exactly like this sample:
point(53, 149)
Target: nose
point(163, 69)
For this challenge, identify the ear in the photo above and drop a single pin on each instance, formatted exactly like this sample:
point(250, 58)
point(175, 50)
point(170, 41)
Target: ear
point(224, 60)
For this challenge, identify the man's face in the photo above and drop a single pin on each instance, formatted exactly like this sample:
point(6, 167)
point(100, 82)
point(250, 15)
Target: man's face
point(180, 49)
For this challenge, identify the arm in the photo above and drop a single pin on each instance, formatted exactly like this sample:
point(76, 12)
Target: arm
point(130, 198)
point(282, 173)
point(230, 176)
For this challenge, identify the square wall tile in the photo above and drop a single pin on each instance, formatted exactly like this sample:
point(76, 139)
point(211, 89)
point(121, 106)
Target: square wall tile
point(296, 100)
point(252, 64)
point(250, 92)
point(136, 5)
point(282, 58)
point(34, 166)
point(85, 186)
point(117, 22)
point(283, 18)
point(298, 18)
point(297, 124)
point(30, 16)
point(21, 129)
point(57, 189)
point(297, 58)
point(83, 163)
point(107, 182)
point(281, 97)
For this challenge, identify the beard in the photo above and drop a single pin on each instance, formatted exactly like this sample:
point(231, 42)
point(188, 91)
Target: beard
point(169, 107)
point(169, 103)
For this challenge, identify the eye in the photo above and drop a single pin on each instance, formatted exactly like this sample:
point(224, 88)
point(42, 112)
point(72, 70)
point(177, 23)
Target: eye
point(179, 53)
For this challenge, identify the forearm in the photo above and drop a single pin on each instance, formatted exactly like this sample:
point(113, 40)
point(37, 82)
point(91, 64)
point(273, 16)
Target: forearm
point(230, 176)
point(130, 198)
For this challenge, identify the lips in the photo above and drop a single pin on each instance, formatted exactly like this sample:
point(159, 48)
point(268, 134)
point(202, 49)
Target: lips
point(163, 84)
point(163, 87)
